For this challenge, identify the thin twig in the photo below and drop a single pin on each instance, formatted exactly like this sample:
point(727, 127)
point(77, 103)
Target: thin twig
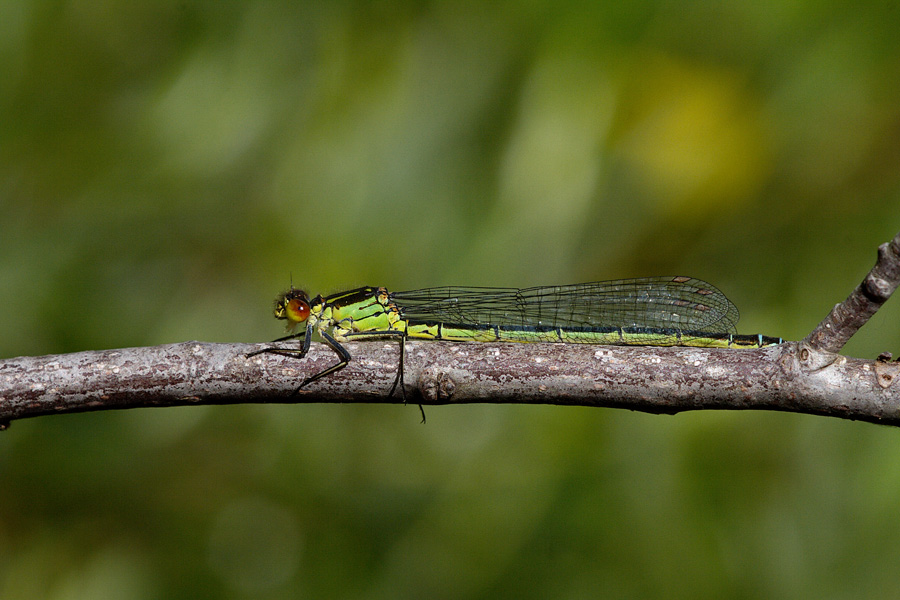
point(846, 318)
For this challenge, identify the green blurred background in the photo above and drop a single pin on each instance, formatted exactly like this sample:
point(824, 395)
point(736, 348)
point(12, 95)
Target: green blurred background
point(167, 167)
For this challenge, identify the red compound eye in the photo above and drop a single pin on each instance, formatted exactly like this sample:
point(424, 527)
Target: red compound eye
point(297, 310)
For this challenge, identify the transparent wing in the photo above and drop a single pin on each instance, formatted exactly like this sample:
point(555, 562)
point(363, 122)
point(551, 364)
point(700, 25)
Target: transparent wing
point(679, 303)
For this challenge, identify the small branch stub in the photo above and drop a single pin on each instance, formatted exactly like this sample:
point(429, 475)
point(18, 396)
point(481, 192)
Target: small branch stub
point(886, 373)
point(436, 385)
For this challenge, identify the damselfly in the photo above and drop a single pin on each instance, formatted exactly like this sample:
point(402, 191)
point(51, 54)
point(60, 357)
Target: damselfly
point(655, 311)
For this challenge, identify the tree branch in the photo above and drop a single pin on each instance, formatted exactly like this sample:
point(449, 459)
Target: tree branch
point(789, 377)
point(805, 377)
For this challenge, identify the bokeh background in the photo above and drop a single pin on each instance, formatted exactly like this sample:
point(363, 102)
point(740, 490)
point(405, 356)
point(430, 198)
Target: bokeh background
point(167, 167)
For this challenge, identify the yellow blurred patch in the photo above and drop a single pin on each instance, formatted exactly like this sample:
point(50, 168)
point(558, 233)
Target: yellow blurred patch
point(696, 137)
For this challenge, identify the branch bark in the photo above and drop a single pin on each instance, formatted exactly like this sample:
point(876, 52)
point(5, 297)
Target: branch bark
point(806, 376)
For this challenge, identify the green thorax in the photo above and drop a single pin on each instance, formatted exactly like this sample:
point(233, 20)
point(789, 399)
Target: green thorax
point(362, 309)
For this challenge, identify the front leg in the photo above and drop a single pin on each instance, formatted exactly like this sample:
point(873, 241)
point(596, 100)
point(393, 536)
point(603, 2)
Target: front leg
point(342, 354)
point(291, 352)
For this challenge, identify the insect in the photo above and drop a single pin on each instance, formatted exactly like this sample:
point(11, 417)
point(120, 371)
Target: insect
point(654, 311)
